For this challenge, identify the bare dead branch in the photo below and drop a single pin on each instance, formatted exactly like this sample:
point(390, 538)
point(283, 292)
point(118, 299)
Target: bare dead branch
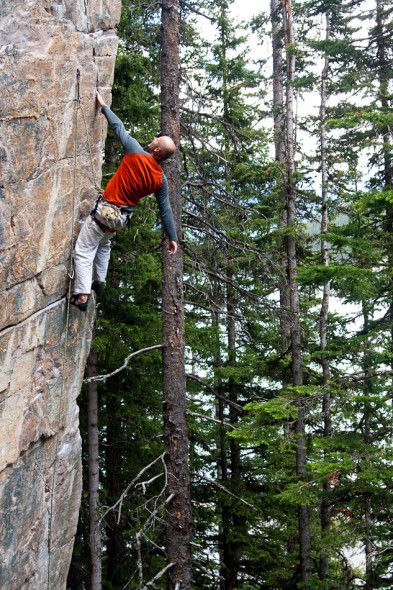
point(169, 498)
point(144, 484)
point(159, 575)
point(124, 365)
point(119, 502)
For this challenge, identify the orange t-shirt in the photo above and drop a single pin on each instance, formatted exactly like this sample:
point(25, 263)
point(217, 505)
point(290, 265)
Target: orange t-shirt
point(138, 175)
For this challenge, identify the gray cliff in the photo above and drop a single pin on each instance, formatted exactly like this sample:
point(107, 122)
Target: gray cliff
point(47, 182)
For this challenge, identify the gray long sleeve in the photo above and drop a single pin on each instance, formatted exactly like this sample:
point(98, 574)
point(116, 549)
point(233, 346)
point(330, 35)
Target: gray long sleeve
point(165, 209)
point(130, 144)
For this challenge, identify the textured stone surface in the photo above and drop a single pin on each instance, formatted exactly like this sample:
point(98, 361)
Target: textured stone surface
point(46, 188)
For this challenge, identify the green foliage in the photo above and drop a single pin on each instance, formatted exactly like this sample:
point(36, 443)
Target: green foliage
point(278, 408)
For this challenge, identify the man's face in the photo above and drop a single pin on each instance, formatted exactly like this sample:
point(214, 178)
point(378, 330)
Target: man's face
point(153, 145)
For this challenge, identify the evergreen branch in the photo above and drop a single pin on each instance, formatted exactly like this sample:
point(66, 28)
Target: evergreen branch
point(247, 294)
point(211, 300)
point(220, 422)
point(229, 201)
point(383, 36)
point(243, 246)
point(228, 241)
point(230, 128)
point(213, 391)
point(366, 374)
point(208, 145)
point(223, 488)
point(212, 575)
point(192, 9)
point(213, 305)
point(124, 365)
point(218, 309)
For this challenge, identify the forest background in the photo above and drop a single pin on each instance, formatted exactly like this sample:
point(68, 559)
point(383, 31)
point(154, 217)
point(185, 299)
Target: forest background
point(285, 165)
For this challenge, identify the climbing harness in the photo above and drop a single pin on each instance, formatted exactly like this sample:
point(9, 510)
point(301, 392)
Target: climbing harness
point(108, 216)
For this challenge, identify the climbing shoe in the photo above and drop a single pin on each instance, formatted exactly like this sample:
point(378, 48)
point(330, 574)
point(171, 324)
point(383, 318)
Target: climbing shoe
point(80, 306)
point(98, 287)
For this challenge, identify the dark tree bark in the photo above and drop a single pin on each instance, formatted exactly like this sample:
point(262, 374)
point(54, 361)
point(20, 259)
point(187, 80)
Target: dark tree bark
point(367, 440)
point(384, 68)
point(234, 548)
point(93, 476)
point(115, 544)
point(178, 518)
point(323, 320)
point(384, 74)
point(278, 85)
point(295, 328)
point(276, 16)
point(222, 459)
point(232, 524)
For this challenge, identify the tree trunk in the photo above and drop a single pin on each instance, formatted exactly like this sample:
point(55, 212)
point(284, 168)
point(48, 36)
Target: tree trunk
point(232, 523)
point(222, 461)
point(384, 93)
point(276, 15)
point(93, 476)
point(367, 440)
point(278, 85)
point(323, 320)
point(178, 517)
point(385, 100)
point(295, 329)
point(115, 545)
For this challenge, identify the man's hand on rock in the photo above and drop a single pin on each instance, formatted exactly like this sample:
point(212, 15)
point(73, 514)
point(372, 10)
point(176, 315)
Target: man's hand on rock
point(100, 100)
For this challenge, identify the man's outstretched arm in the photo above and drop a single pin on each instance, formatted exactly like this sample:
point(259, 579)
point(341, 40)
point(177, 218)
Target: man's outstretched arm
point(166, 215)
point(130, 144)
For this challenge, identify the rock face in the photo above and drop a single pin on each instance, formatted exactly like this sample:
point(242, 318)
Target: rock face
point(50, 160)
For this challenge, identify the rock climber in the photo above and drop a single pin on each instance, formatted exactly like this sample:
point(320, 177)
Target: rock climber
point(138, 175)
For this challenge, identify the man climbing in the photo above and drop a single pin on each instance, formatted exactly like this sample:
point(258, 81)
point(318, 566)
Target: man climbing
point(138, 175)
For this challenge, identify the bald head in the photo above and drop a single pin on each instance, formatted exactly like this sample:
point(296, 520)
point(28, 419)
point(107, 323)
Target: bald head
point(161, 148)
point(167, 147)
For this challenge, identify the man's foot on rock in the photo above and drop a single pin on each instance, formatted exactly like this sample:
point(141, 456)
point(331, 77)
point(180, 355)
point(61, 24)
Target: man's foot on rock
point(80, 301)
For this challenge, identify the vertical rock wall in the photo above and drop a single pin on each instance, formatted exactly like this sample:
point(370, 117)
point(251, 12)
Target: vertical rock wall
point(45, 189)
